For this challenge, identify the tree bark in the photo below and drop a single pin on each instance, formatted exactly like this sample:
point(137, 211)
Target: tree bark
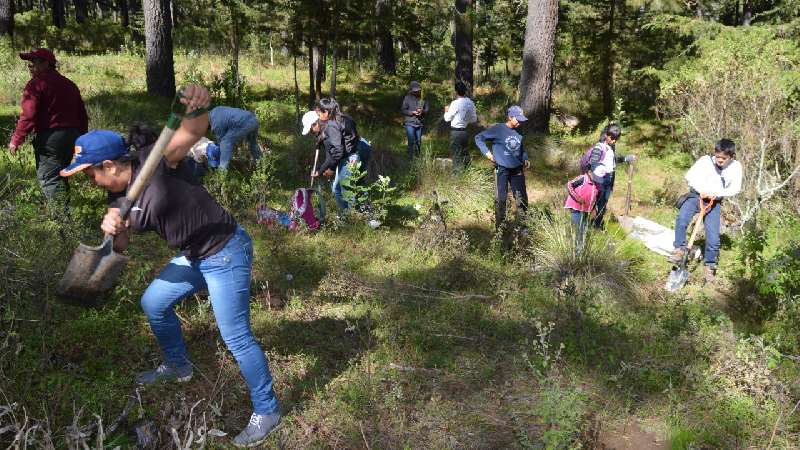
point(608, 63)
point(463, 43)
point(747, 12)
point(296, 90)
point(81, 11)
point(7, 18)
point(332, 92)
point(387, 62)
point(312, 93)
point(235, 41)
point(158, 44)
point(536, 79)
point(124, 12)
point(319, 68)
point(58, 10)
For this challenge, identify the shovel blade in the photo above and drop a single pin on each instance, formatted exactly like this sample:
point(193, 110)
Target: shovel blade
point(91, 271)
point(677, 279)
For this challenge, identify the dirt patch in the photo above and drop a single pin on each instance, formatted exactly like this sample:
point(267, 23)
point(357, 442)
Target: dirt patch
point(629, 436)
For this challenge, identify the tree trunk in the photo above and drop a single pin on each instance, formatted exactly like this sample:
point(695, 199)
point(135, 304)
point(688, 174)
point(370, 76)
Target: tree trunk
point(536, 79)
point(57, 8)
point(387, 62)
point(477, 49)
point(319, 69)
point(333, 72)
point(7, 18)
point(124, 12)
point(271, 54)
point(608, 63)
point(463, 43)
point(296, 90)
point(747, 12)
point(158, 44)
point(81, 11)
point(235, 41)
point(312, 93)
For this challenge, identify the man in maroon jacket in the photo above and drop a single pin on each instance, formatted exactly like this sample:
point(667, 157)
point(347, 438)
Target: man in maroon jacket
point(53, 109)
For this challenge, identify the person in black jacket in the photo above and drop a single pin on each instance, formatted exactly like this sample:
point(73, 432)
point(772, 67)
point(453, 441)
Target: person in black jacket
point(342, 146)
point(414, 110)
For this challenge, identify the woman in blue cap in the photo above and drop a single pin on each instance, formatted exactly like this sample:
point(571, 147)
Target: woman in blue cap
point(214, 253)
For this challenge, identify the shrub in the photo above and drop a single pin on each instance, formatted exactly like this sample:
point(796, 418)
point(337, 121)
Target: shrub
point(742, 84)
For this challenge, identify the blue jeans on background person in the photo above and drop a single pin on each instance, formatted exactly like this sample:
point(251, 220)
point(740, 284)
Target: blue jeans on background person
point(414, 136)
point(226, 274)
point(601, 203)
point(228, 142)
point(689, 208)
point(344, 200)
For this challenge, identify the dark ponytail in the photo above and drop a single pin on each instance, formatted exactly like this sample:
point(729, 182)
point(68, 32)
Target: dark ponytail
point(141, 136)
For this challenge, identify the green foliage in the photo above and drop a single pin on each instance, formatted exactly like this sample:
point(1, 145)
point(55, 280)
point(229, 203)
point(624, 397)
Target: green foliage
point(34, 29)
point(743, 84)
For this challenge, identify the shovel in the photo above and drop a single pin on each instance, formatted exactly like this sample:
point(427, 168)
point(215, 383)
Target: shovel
point(93, 270)
point(680, 274)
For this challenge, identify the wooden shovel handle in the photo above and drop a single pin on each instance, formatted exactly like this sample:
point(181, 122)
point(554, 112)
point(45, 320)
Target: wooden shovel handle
point(704, 209)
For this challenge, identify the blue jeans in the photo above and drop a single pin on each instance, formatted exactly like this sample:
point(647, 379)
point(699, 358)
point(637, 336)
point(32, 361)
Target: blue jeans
point(414, 136)
point(226, 274)
point(689, 208)
point(503, 178)
point(600, 205)
point(228, 142)
point(580, 219)
point(341, 183)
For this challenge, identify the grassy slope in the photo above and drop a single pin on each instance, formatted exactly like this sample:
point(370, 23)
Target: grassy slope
point(385, 340)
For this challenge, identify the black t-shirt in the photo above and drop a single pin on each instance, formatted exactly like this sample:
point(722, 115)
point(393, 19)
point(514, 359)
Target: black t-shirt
point(177, 207)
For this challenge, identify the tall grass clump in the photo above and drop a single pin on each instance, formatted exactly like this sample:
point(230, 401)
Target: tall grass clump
point(598, 264)
point(468, 192)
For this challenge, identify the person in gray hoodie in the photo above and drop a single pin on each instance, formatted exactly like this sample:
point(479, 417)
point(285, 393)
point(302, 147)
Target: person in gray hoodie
point(414, 110)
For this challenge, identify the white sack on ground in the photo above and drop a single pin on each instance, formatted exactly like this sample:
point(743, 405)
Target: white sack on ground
point(656, 237)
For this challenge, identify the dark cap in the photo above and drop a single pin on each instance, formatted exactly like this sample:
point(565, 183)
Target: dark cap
point(414, 86)
point(39, 53)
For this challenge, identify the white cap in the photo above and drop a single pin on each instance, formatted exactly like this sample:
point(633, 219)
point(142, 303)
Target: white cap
point(309, 119)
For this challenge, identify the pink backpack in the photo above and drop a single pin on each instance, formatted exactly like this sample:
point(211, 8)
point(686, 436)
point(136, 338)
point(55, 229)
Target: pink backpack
point(301, 209)
point(581, 193)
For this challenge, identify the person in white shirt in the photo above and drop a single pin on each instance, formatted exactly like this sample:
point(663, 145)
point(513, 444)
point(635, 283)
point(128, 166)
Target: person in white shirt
point(460, 113)
point(711, 178)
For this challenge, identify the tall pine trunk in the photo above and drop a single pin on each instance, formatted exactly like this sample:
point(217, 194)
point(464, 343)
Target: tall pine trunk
point(387, 62)
point(747, 12)
point(463, 43)
point(332, 92)
point(81, 10)
point(58, 10)
point(124, 12)
point(536, 79)
point(158, 44)
point(296, 89)
point(235, 41)
point(608, 62)
point(319, 69)
point(7, 18)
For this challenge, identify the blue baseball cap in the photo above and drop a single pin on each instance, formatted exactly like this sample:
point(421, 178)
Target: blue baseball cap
point(213, 154)
point(93, 148)
point(516, 112)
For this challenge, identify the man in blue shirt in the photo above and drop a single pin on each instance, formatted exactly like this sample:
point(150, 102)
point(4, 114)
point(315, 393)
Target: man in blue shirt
point(510, 161)
point(231, 126)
